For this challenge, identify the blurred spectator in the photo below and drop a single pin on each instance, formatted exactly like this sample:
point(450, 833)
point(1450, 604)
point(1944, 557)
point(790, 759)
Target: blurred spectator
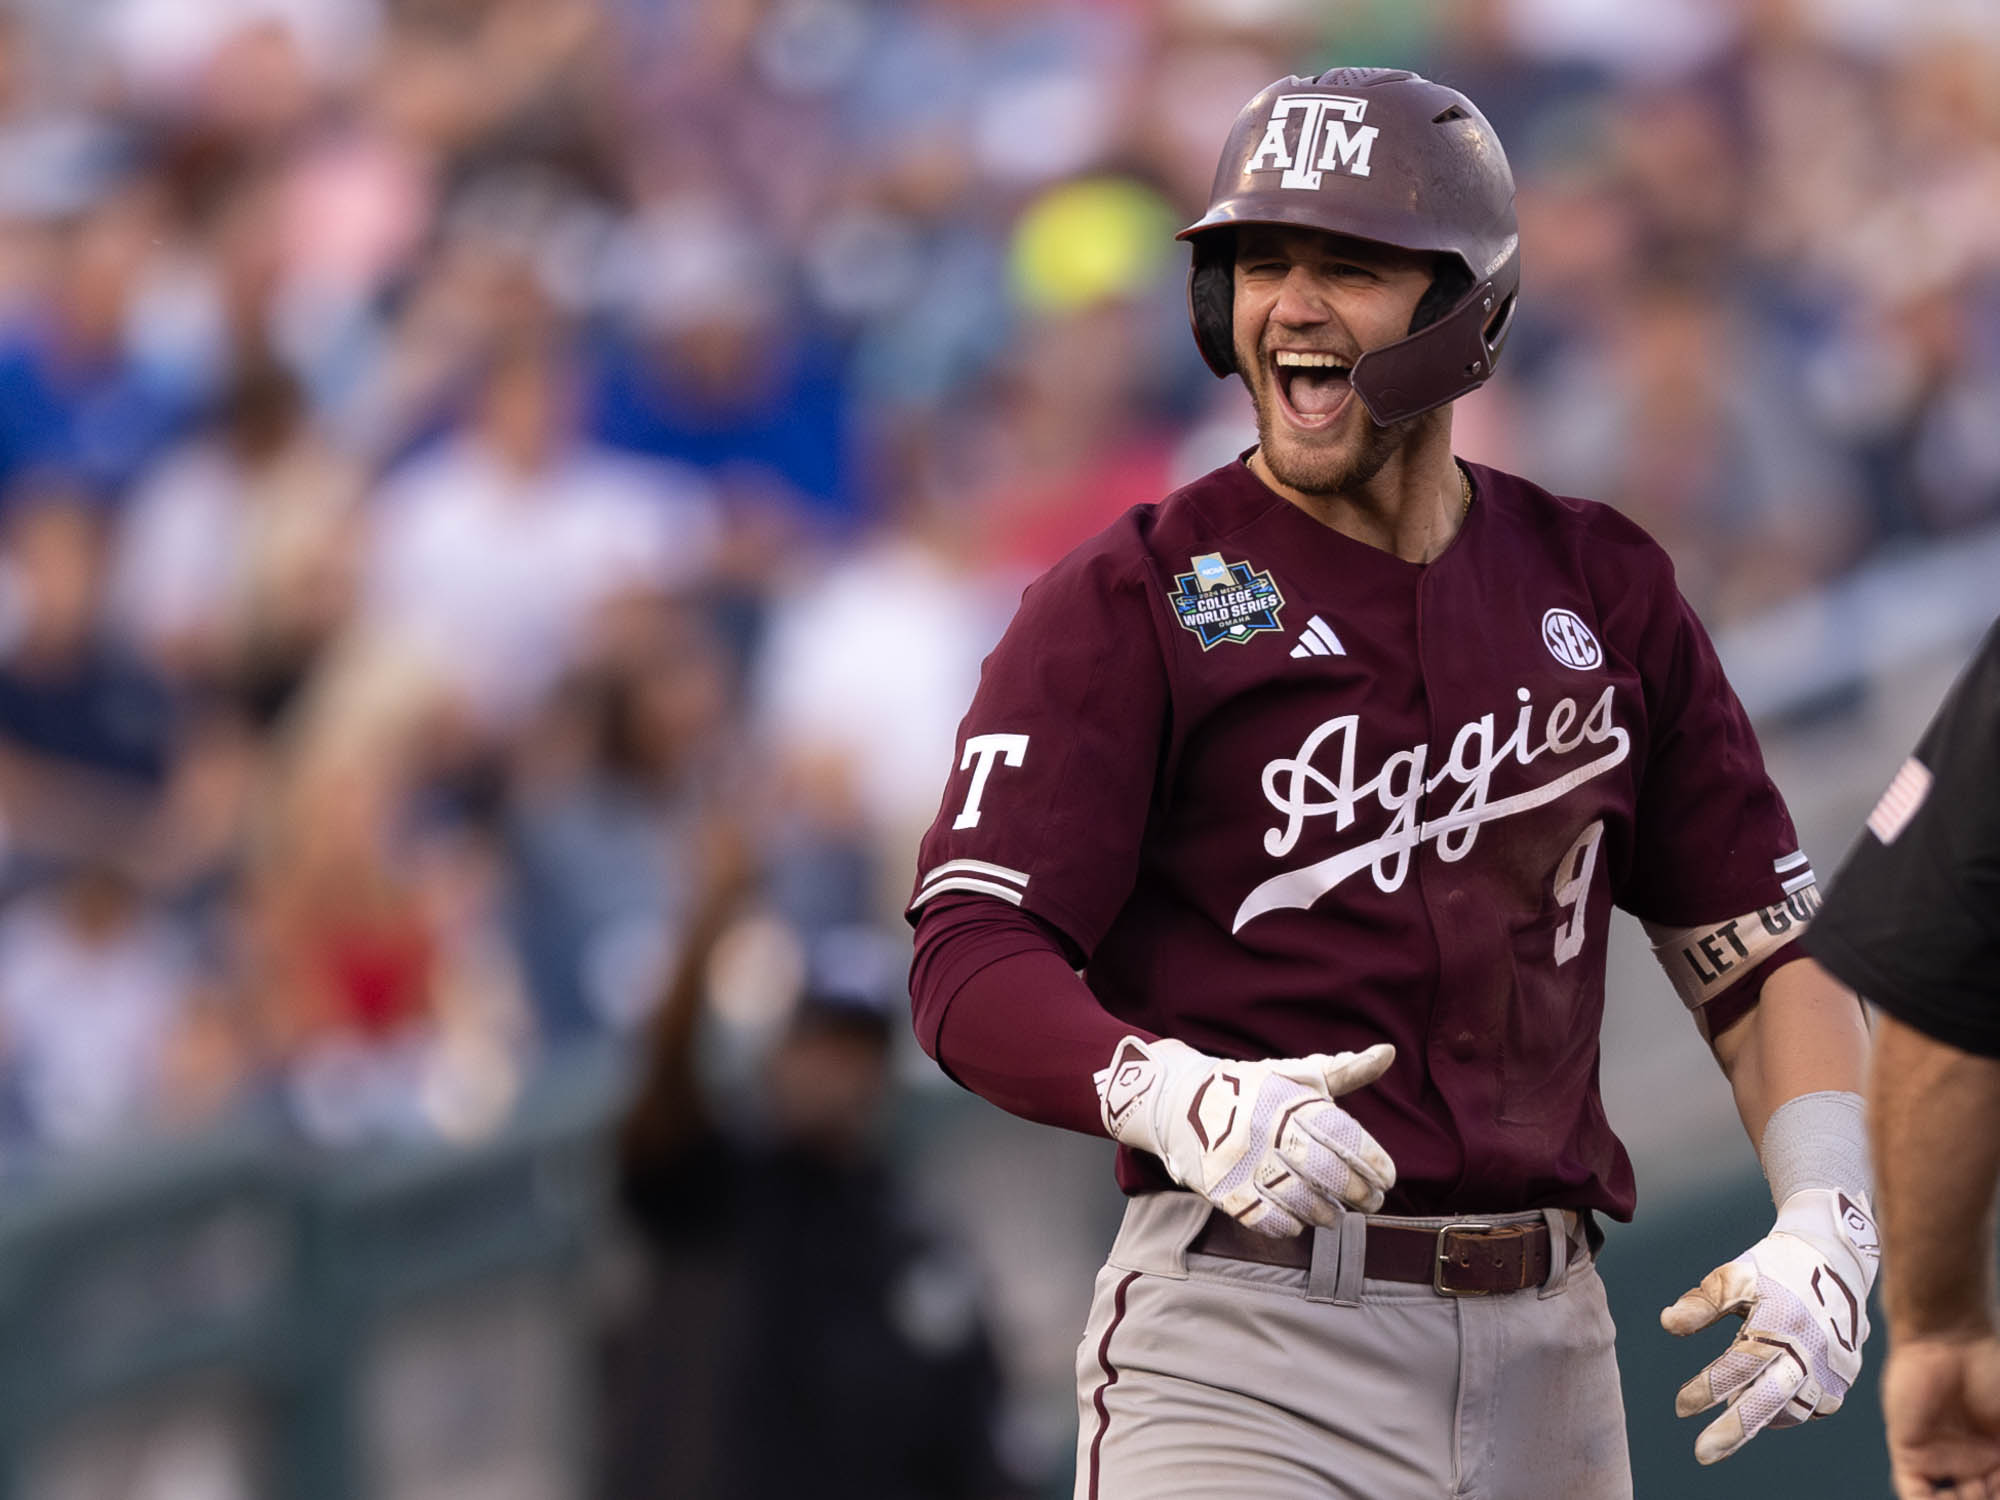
point(719, 370)
point(610, 784)
point(492, 555)
point(1022, 93)
point(87, 731)
point(1527, 95)
point(236, 557)
point(102, 368)
point(1671, 414)
point(857, 690)
point(389, 1003)
point(101, 762)
point(98, 1018)
point(788, 1290)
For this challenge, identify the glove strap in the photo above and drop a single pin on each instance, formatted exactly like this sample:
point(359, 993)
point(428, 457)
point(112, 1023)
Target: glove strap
point(1132, 1087)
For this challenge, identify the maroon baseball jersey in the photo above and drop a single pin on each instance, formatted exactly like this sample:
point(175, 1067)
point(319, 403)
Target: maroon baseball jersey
point(1288, 793)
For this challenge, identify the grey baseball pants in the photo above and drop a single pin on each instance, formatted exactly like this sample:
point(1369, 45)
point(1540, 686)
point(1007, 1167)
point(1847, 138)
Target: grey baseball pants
point(1201, 1378)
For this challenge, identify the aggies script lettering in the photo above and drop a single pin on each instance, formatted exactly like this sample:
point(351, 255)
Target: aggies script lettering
point(1399, 787)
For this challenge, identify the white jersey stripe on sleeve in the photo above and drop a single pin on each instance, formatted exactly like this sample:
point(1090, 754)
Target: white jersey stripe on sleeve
point(1798, 882)
point(966, 883)
point(1789, 862)
point(976, 867)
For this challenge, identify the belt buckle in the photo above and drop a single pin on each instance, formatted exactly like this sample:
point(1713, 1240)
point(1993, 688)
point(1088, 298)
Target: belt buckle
point(1442, 1260)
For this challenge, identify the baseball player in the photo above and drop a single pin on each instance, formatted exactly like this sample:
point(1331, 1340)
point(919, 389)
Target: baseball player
point(1914, 924)
point(1326, 772)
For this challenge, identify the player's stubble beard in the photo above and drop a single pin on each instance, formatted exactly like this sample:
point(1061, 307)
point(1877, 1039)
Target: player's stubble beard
point(1330, 468)
point(1325, 463)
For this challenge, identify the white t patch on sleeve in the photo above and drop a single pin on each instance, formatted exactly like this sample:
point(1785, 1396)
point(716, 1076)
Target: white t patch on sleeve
point(1704, 961)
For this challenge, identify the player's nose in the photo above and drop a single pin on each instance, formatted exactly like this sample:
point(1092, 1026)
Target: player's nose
point(1302, 301)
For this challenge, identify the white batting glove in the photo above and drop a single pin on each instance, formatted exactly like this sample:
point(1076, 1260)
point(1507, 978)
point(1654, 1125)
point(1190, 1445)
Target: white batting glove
point(1263, 1141)
point(1802, 1291)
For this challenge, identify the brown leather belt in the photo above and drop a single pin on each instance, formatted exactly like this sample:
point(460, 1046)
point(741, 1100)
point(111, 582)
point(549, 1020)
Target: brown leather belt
point(1460, 1260)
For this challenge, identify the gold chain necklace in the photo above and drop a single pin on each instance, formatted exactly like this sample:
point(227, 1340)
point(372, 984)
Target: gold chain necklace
point(1465, 492)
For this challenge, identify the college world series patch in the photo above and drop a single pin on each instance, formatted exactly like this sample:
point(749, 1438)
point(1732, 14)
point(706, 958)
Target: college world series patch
point(1225, 601)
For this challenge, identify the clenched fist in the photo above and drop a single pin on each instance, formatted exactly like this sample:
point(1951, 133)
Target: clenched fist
point(1263, 1141)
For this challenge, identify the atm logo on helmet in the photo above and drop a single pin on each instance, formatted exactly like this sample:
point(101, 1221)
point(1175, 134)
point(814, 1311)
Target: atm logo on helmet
point(1326, 143)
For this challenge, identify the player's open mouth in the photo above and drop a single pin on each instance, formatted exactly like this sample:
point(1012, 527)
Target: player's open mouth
point(1312, 387)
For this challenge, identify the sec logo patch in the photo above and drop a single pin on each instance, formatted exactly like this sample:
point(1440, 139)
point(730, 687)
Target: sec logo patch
point(1569, 640)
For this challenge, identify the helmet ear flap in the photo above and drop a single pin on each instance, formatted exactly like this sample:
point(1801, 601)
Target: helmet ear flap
point(1212, 300)
point(1449, 284)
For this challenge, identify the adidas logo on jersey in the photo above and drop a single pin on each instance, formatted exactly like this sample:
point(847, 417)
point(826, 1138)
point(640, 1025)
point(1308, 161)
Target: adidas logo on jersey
point(1318, 639)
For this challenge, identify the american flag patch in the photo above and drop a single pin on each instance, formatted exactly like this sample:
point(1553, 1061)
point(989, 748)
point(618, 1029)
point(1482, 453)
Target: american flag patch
point(1900, 803)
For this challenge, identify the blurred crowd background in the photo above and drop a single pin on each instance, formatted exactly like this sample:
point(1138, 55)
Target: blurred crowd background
point(502, 501)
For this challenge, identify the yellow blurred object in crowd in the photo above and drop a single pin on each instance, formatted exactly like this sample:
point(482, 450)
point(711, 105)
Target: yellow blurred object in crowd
point(1089, 241)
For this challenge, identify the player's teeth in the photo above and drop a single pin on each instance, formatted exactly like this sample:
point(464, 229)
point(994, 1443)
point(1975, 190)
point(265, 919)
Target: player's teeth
point(1309, 361)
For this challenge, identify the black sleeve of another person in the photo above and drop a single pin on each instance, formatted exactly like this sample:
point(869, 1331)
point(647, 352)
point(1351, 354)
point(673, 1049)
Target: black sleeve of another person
point(1913, 922)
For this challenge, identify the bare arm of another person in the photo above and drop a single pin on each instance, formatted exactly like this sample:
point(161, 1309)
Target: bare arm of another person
point(1935, 1111)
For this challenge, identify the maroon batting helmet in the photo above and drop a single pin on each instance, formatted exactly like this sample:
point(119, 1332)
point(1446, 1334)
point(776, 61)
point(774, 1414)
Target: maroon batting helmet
point(1378, 154)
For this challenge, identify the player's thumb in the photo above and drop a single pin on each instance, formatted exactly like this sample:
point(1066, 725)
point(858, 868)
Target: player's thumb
point(1346, 1071)
point(1698, 1306)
